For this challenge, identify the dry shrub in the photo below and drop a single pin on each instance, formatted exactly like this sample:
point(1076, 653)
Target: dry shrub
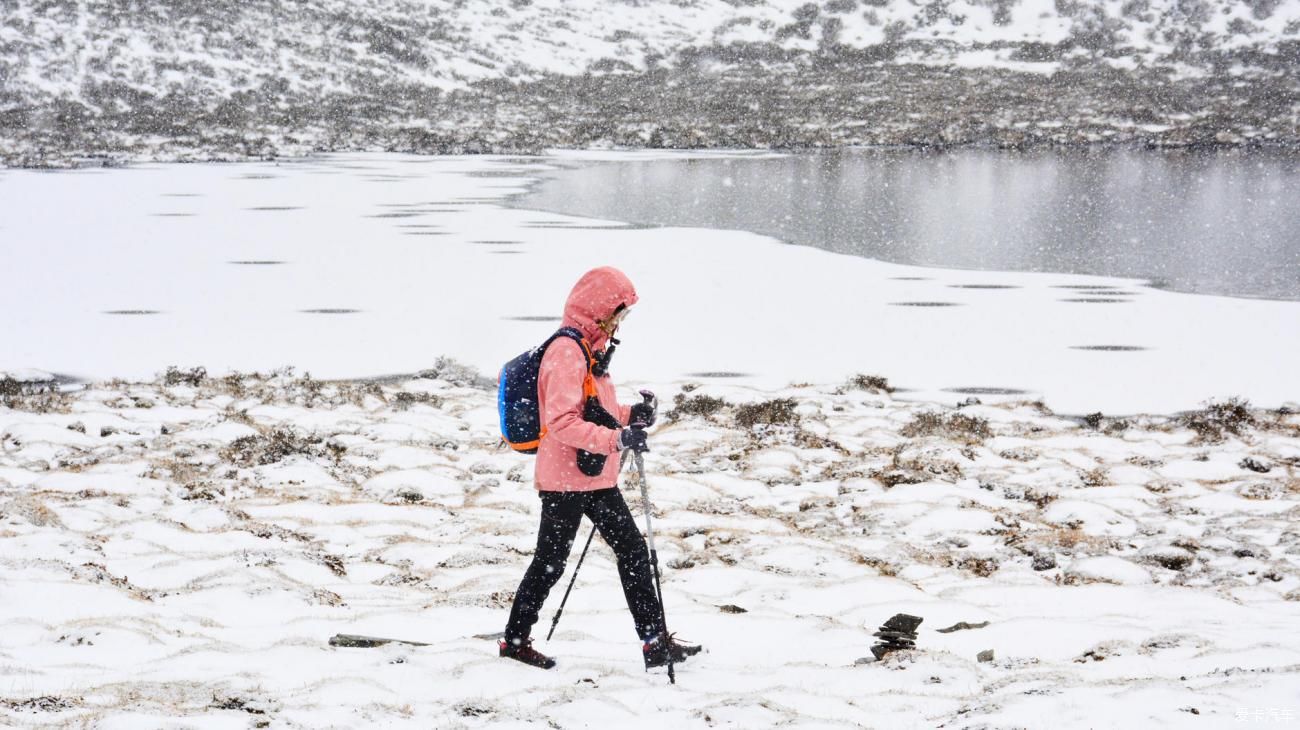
point(281, 386)
point(406, 399)
point(10, 387)
point(957, 426)
point(178, 469)
point(262, 449)
point(869, 383)
point(233, 384)
point(335, 564)
point(356, 393)
point(767, 413)
point(1217, 419)
point(1071, 539)
point(193, 377)
point(323, 597)
point(45, 703)
point(201, 491)
point(982, 567)
point(236, 703)
point(32, 396)
point(1098, 477)
point(455, 373)
point(893, 477)
point(927, 463)
point(306, 391)
point(704, 406)
point(1039, 498)
point(882, 566)
point(32, 508)
point(1170, 559)
point(1117, 427)
point(1262, 490)
point(807, 440)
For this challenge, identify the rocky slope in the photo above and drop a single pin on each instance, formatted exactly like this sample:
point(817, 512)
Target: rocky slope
point(225, 79)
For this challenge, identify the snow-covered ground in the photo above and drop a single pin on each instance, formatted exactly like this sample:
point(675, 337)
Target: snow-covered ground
point(363, 265)
point(177, 555)
point(177, 551)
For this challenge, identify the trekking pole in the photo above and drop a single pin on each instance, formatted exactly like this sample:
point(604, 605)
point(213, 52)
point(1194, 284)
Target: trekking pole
point(654, 562)
point(555, 620)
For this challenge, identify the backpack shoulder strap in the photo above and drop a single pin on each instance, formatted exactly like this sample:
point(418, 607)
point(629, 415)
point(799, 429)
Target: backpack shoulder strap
point(569, 332)
point(588, 381)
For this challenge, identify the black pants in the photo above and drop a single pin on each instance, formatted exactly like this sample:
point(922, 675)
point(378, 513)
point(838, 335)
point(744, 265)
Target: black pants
point(561, 514)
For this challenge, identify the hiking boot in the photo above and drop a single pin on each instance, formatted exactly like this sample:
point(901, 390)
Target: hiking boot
point(655, 651)
point(523, 651)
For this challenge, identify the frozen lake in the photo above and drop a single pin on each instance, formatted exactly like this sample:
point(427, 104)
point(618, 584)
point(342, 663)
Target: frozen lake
point(1202, 222)
point(376, 264)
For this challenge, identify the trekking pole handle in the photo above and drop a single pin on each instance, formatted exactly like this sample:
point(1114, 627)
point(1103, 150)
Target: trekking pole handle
point(647, 398)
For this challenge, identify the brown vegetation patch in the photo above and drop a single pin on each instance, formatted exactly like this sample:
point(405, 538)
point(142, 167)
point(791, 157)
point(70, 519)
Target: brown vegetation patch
point(32, 396)
point(280, 443)
point(869, 383)
point(956, 426)
point(1216, 419)
point(455, 373)
point(1094, 477)
point(704, 406)
point(44, 703)
point(882, 566)
point(406, 399)
point(982, 567)
point(193, 377)
point(778, 411)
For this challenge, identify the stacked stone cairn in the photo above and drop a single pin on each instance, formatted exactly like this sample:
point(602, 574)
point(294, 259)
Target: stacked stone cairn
point(897, 633)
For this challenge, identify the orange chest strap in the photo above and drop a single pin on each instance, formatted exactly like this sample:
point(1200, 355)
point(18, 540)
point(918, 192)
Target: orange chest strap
point(588, 380)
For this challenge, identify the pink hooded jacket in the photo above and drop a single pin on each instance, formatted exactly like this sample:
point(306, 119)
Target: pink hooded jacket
point(559, 389)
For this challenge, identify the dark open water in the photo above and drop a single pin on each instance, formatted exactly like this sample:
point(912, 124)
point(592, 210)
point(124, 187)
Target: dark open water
point(1204, 222)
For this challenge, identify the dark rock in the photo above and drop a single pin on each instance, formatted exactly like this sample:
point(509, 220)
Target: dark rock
point(1252, 464)
point(900, 635)
point(409, 495)
point(1044, 561)
point(356, 641)
point(902, 622)
point(962, 625)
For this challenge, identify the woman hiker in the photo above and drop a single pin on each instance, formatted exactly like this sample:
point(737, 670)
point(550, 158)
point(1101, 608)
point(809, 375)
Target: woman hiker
point(571, 479)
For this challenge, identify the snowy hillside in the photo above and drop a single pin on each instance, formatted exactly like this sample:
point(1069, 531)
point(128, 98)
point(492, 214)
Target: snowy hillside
point(183, 549)
point(259, 78)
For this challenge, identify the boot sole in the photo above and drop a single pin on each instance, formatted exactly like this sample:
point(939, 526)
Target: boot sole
point(550, 664)
point(686, 654)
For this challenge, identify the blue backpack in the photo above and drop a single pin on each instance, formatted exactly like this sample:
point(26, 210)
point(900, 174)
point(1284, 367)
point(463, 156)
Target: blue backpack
point(517, 401)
